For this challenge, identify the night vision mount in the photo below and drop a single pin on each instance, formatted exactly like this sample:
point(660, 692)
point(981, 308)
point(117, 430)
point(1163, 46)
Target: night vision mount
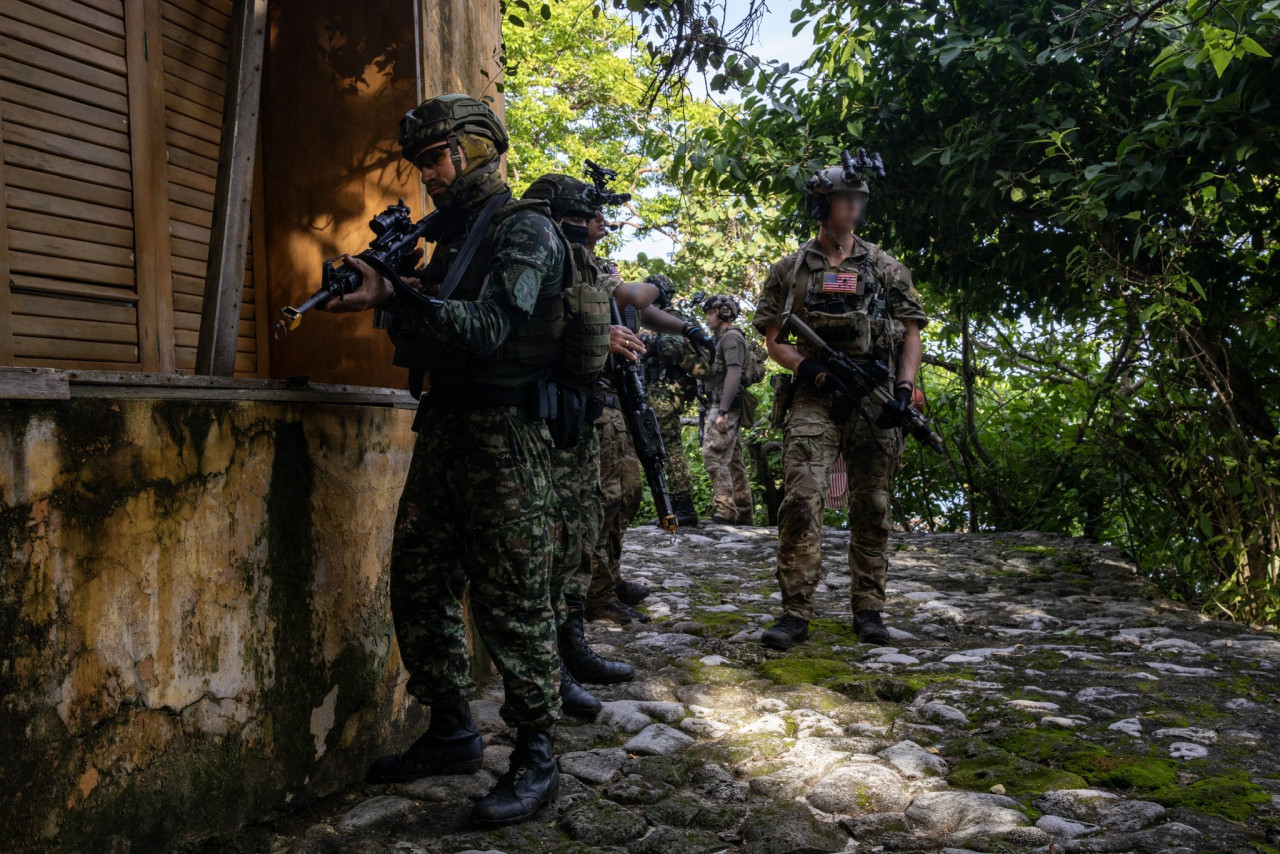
point(600, 178)
point(857, 167)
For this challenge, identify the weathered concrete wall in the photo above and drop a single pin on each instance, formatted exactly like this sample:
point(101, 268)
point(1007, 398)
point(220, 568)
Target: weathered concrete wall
point(193, 613)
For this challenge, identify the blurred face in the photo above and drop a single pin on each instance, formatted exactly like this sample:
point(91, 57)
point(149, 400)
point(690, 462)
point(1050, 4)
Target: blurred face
point(436, 168)
point(713, 319)
point(846, 211)
point(597, 228)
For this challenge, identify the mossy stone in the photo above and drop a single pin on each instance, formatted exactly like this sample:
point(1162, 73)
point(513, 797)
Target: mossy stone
point(1231, 795)
point(804, 671)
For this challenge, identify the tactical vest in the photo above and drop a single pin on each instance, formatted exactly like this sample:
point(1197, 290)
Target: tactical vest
point(859, 324)
point(533, 344)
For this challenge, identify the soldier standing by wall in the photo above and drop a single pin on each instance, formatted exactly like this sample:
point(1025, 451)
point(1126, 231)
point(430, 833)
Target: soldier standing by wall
point(722, 438)
point(863, 303)
point(673, 364)
point(575, 472)
point(476, 510)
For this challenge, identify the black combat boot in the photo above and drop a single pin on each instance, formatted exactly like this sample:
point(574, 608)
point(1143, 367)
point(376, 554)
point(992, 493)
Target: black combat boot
point(686, 515)
point(632, 592)
point(575, 699)
point(582, 662)
point(870, 628)
point(529, 784)
point(618, 611)
point(788, 631)
point(451, 745)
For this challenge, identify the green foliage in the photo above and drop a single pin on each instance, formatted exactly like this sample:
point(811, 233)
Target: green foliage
point(1087, 197)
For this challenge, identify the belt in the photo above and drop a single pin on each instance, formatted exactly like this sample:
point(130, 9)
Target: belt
point(610, 401)
point(466, 398)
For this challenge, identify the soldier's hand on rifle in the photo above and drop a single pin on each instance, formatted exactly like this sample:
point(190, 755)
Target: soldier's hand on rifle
point(895, 411)
point(624, 342)
point(374, 289)
point(816, 375)
point(701, 341)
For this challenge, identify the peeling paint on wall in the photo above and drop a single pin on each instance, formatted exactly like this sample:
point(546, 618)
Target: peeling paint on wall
point(194, 616)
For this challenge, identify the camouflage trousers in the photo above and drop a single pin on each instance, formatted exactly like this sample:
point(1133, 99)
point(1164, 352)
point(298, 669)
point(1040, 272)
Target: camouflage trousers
point(809, 449)
point(621, 492)
point(475, 517)
point(722, 458)
point(575, 474)
point(669, 406)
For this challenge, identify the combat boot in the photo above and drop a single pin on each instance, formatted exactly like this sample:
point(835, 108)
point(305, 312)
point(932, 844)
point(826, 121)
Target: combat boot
point(575, 699)
point(632, 592)
point(870, 628)
point(686, 515)
point(618, 611)
point(530, 783)
point(582, 662)
point(451, 745)
point(788, 631)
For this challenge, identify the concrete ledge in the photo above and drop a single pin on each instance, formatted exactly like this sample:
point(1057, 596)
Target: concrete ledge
point(55, 384)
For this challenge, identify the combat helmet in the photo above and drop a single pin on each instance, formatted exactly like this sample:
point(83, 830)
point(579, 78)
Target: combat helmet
point(848, 177)
point(457, 120)
point(666, 290)
point(567, 196)
point(727, 307)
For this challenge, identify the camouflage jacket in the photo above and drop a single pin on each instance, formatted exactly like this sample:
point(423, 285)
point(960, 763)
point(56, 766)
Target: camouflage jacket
point(520, 262)
point(858, 306)
point(671, 362)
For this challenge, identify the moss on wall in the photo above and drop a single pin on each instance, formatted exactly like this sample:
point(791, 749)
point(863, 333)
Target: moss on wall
point(193, 613)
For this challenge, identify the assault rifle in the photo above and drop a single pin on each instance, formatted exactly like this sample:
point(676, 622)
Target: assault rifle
point(864, 381)
point(642, 424)
point(396, 235)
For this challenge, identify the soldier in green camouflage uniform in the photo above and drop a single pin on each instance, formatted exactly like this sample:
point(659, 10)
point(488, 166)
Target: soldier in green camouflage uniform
point(575, 475)
point(862, 301)
point(475, 514)
point(621, 478)
point(673, 364)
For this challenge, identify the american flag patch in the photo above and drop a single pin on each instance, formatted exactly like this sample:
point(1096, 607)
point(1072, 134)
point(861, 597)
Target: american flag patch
point(838, 494)
point(841, 283)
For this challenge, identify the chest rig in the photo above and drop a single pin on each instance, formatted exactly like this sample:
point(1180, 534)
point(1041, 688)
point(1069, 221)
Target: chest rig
point(848, 308)
point(533, 341)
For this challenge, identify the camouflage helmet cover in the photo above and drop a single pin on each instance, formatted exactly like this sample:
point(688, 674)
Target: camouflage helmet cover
point(666, 289)
point(567, 196)
point(832, 179)
point(727, 307)
point(438, 118)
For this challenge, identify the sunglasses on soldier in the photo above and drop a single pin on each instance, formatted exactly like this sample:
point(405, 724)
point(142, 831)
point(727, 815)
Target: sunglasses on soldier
point(430, 157)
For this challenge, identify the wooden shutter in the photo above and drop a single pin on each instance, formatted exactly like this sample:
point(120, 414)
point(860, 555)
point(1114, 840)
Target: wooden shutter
point(69, 184)
point(197, 40)
point(68, 188)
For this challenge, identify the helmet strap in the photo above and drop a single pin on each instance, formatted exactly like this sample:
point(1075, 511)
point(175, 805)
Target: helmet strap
point(455, 153)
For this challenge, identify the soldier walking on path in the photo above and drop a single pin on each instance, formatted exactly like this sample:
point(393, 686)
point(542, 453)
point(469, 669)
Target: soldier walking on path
point(863, 303)
point(722, 438)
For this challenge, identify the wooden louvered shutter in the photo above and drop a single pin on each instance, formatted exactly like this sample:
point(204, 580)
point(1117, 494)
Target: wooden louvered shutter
point(71, 80)
point(68, 188)
point(197, 41)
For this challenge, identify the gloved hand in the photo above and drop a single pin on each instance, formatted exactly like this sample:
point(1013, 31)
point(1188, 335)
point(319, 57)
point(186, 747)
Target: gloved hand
point(701, 341)
point(814, 374)
point(894, 412)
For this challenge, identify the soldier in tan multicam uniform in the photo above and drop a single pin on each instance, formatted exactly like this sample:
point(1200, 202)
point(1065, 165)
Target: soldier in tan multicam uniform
point(732, 503)
point(862, 301)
